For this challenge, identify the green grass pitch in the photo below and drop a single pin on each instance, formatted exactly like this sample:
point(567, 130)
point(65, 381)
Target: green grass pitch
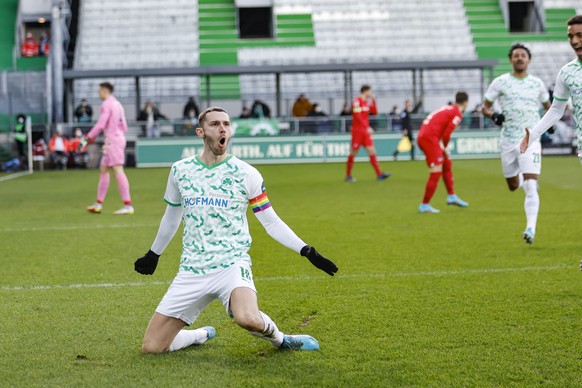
point(445, 300)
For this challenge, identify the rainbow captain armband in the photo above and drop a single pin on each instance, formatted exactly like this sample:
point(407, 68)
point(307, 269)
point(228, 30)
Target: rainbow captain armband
point(260, 203)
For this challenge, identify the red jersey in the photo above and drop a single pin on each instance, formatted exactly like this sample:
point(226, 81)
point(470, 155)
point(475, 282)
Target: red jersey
point(361, 110)
point(440, 124)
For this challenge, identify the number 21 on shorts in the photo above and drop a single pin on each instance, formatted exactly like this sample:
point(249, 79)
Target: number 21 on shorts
point(536, 157)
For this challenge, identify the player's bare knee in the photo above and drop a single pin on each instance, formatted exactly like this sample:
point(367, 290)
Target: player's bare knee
point(250, 321)
point(152, 347)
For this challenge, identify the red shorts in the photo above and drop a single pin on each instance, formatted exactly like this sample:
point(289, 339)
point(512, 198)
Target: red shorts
point(361, 138)
point(432, 150)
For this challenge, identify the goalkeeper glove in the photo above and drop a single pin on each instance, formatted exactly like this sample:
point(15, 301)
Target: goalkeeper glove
point(146, 265)
point(498, 118)
point(83, 143)
point(318, 260)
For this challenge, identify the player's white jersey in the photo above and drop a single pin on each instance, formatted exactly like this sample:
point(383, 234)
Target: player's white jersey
point(520, 100)
point(569, 85)
point(215, 201)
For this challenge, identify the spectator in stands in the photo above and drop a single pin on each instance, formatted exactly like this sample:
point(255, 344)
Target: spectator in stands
point(394, 116)
point(84, 112)
point(245, 113)
point(150, 115)
point(20, 137)
point(30, 46)
point(320, 123)
point(79, 154)
point(39, 149)
point(302, 107)
point(406, 128)
point(190, 121)
point(346, 110)
point(260, 110)
point(191, 105)
point(59, 150)
point(44, 47)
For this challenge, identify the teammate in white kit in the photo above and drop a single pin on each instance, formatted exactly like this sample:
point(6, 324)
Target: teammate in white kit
point(568, 85)
point(211, 192)
point(519, 95)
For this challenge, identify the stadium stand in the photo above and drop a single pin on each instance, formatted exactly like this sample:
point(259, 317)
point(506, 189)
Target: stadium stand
point(153, 37)
point(191, 33)
point(492, 38)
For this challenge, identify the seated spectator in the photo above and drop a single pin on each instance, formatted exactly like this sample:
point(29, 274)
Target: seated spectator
point(346, 110)
point(245, 113)
point(191, 105)
point(395, 118)
point(302, 107)
point(29, 47)
point(260, 110)
point(39, 148)
point(320, 122)
point(59, 150)
point(150, 115)
point(84, 112)
point(44, 47)
point(190, 123)
point(80, 157)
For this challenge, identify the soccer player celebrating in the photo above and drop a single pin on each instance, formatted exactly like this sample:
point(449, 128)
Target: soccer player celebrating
point(433, 139)
point(519, 95)
point(362, 106)
point(112, 123)
point(210, 192)
point(568, 85)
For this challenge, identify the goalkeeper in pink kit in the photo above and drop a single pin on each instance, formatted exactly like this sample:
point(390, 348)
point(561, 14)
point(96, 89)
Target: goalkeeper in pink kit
point(114, 126)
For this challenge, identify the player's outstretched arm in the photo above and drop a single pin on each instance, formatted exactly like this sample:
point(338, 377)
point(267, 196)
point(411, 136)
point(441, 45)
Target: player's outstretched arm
point(552, 116)
point(281, 233)
point(146, 265)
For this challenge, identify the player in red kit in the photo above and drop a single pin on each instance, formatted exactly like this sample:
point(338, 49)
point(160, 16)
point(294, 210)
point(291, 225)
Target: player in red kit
point(362, 107)
point(433, 139)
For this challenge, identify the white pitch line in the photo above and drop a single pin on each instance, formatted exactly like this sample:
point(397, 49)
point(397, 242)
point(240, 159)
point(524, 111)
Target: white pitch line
point(296, 278)
point(15, 175)
point(74, 227)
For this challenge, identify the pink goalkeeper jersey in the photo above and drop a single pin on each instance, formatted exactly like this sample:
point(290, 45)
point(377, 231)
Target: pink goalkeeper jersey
point(111, 120)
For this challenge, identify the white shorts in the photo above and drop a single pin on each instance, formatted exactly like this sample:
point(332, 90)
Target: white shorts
point(514, 162)
point(189, 294)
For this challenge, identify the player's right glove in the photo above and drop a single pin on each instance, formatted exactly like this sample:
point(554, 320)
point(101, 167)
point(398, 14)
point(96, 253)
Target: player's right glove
point(498, 118)
point(146, 265)
point(318, 260)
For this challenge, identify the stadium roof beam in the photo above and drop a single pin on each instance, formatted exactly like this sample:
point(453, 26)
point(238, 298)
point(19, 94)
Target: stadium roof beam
point(347, 68)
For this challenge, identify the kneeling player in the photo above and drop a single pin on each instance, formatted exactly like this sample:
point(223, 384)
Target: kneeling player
point(210, 192)
point(433, 139)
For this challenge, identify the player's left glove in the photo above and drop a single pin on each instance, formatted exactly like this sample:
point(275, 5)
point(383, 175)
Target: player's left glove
point(146, 265)
point(498, 118)
point(83, 143)
point(318, 260)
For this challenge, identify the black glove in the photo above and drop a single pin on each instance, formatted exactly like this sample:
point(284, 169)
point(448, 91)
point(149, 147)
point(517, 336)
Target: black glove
point(551, 130)
point(318, 260)
point(498, 118)
point(146, 265)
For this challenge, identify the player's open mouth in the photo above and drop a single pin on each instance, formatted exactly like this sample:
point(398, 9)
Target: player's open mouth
point(222, 142)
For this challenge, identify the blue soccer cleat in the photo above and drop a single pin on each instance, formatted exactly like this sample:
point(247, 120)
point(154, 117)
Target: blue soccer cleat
point(426, 208)
point(384, 176)
point(211, 332)
point(350, 179)
point(529, 236)
point(299, 342)
point(456, 201)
